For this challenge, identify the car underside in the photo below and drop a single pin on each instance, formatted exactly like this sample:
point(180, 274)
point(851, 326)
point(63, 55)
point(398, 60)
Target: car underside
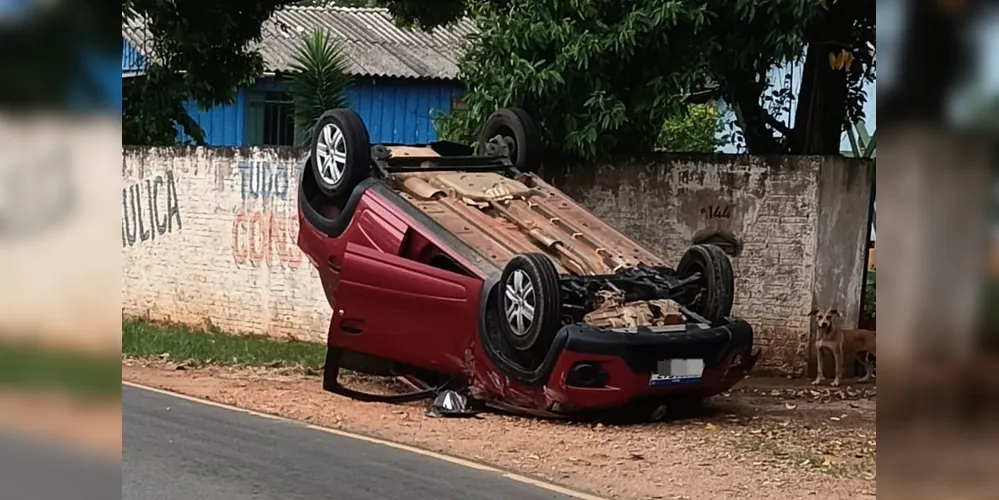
point(559, 311)
point(632, 298)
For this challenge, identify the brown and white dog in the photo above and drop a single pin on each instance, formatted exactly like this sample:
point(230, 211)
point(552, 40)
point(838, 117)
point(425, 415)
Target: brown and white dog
point(829, 335)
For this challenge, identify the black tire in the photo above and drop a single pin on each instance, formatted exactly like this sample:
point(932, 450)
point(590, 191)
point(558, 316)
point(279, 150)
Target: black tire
point(716, 291)
point(533, 278)
point(338, 176)
point(522, 134)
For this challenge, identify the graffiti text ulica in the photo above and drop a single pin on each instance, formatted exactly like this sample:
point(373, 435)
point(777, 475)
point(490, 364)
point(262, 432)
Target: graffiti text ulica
point(149, 209)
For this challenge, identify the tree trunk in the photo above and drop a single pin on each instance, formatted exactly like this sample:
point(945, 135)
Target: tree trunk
point(821, 111)
point(744, 93)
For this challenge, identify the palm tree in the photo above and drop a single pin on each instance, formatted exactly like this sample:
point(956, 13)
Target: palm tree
point(318, 82)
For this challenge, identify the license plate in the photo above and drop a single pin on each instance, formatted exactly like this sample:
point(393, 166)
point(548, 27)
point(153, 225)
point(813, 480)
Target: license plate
point(677, 371)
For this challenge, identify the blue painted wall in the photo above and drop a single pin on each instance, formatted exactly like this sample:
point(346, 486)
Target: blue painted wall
point(398, 110)
point(131, 60)
point(394, 110)
point(98, 69)
point(223, 125)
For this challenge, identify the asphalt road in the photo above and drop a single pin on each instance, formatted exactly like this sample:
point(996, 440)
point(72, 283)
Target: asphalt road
point(30, 469)
point(175, 449)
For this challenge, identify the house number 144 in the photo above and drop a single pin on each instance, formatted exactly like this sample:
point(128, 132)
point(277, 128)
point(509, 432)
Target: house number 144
point(717, 211)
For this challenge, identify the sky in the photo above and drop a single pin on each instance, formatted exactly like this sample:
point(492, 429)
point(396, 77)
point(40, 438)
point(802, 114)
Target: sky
point(778, 75)
point(984, 38)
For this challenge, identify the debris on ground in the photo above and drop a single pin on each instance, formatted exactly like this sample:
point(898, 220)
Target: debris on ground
point(449, 403)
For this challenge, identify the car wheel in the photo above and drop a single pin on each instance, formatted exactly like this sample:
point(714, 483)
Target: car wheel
point(341, 152)
point(529, 303)
point(713, 294)
point(520, 133)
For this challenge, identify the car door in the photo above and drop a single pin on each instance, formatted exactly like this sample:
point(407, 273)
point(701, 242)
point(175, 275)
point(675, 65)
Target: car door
point(371, 226)
point(403, 310)
point(376, 227)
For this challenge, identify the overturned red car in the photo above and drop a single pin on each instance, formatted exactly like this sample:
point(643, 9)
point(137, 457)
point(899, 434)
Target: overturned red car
point(458, 267)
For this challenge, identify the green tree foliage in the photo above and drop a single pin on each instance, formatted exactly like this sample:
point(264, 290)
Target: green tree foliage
point(427, 14)
point(151, 108)
point(43, 52)
point(319, 81)
point(756, 35)
point(584, 69)
point(604, 75)
point(201, 51)
point(696, 131)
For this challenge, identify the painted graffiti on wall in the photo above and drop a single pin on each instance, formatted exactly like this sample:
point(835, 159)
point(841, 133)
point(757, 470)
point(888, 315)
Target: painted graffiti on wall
point(36, 196)
point(264, 180)
point(149, 209)
point(265, 235)
point(261, 237)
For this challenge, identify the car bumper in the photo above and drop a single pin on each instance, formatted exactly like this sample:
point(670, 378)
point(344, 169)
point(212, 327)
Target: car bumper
point(604, 369)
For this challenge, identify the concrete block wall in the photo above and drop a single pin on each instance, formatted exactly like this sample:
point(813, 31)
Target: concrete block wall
point(59, 274)
point(799, 224)
point(210, 234)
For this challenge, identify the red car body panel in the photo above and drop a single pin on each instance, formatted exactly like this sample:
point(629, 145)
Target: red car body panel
point(381, 297)
point(623, 385)
point(388, 303)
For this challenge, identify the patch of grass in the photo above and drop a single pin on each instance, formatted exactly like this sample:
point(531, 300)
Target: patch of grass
point(144, 339)
point(24, 366)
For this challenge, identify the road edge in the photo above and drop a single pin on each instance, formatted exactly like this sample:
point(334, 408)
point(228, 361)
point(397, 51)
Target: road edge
point(520, 478)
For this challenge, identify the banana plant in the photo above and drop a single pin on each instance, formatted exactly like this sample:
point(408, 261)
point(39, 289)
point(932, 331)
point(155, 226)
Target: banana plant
point(318, 81)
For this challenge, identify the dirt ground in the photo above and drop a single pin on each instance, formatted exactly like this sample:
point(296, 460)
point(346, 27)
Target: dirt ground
point(768, 438)
point(92, 427)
